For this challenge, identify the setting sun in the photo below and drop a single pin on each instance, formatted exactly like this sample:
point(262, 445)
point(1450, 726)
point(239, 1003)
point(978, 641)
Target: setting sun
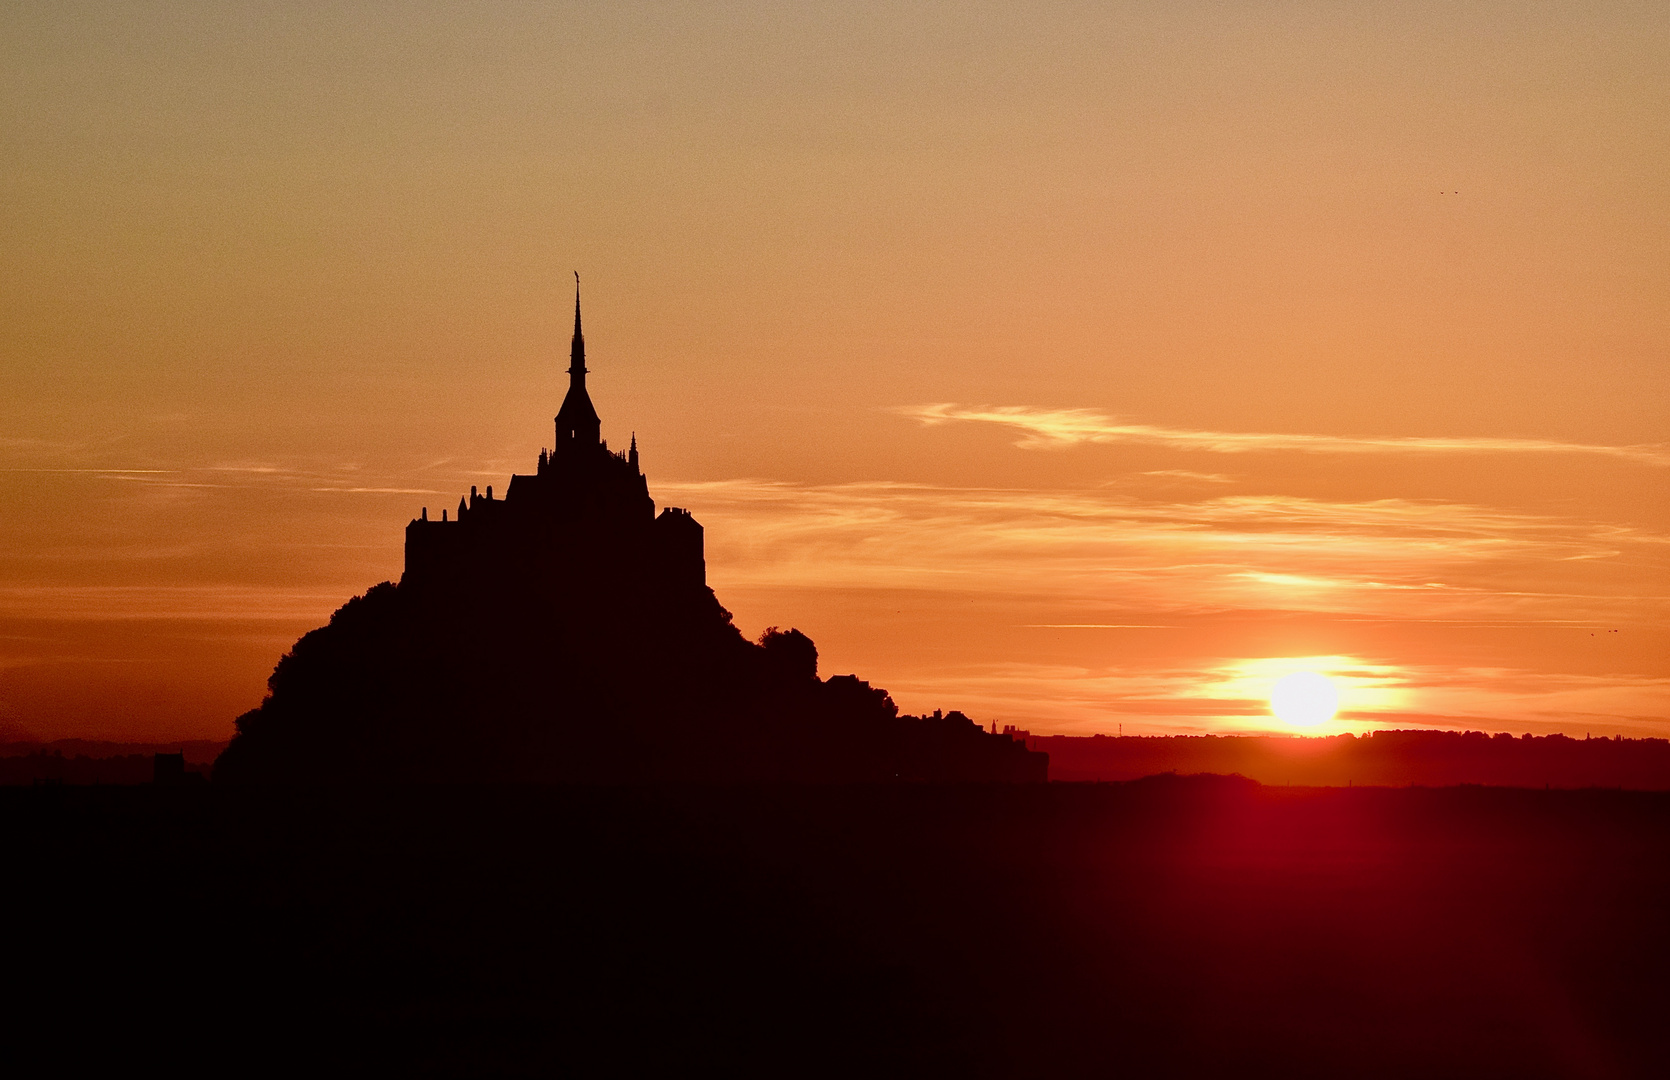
point(1304, 699)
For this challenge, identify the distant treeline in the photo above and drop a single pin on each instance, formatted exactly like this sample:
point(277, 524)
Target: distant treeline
point(1384, 758)
point(84, 761)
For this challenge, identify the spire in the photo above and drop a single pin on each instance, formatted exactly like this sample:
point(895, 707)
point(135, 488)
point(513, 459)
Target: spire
point(632, 459)
point(577, 351)
point(577, 419)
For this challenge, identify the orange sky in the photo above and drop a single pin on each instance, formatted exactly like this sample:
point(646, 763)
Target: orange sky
point(1072, 365)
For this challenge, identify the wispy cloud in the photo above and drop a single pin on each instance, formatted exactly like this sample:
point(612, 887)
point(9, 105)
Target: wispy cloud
point(1385, 557)
point(186, 603)
point(1045, 429)
point(1097, 626)
point(1186, 474)
point(380, 490)
point(96, 472)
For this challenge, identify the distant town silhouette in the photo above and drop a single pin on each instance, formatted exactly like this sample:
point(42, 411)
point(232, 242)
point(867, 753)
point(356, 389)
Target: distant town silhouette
point(566, 632)
point(1378, 759)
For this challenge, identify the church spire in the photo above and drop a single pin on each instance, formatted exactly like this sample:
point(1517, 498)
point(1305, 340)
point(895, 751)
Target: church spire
point(577, 421)
point(577, 350)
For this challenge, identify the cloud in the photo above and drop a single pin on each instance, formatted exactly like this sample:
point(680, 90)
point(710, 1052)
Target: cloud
point(1185, 474)
point(1101, 557)
point(186, 603)
point(1096, 626)
point(99, 472)
point(1048, 429)
point(381, 490)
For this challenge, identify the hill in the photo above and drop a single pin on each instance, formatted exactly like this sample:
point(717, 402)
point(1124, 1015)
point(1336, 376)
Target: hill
point(566, 632)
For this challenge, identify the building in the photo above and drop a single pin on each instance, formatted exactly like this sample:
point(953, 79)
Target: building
point(566, 632)
point(584, 510)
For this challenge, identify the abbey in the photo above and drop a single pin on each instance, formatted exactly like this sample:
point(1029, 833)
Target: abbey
point(584, 511)
point(566, 632)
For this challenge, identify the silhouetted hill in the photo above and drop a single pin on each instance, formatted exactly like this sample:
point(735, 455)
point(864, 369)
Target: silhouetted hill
point(1397, 758)
point(567, 632)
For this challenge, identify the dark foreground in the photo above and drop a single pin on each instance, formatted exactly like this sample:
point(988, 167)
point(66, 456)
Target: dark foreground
point(1375, 758)
point(1199, 926)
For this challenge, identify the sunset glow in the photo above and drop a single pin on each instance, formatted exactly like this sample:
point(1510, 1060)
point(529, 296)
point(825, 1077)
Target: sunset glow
point(1075, 366)
point(1304, 699)
point(1069, 538)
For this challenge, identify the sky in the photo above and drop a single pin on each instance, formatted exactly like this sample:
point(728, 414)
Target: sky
point(1085, 367)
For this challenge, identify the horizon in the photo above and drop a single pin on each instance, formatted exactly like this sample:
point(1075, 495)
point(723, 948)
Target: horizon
point(1073, 369)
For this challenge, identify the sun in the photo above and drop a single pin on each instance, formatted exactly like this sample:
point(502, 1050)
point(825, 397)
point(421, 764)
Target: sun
point(1304, 699)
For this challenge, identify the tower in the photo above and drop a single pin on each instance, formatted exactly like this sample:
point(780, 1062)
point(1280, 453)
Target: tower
point(577, 422)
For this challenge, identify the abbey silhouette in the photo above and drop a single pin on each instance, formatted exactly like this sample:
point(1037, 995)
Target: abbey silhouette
point(566, 632)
